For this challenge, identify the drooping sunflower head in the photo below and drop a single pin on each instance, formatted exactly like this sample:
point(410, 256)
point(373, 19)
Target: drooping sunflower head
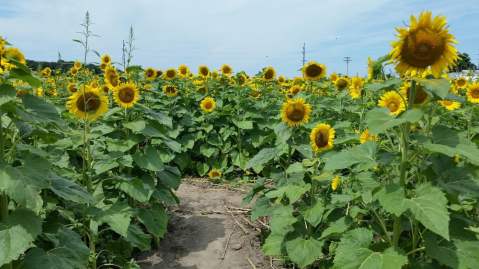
point(295, 89)
point(15, 54)
point(295, 112)
point(366, 136)
point(420, 96)
point(150, 73)
point(281, 79)
point(460, 82)
point(313, 71)
point(46, 72)
point(449, 104)
point(242, 79)
point(170, 74)
point(214, 174)
point(392, 101)
point(183, 70)
point(111, 76)
point(203, 71)
point(269, 73)
point(226, 70)
point(214, 74)
point(105, 59)
point(322, 137)
point(77, 65)
point(159, 73)
point(87, 103)
point(126, 95)
point(208, 104)
point(170, 90)
point(473, 93)
point(341, 83)
point(333, 77)
point(425, 44)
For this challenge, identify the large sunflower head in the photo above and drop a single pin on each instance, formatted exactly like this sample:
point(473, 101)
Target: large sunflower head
point(322, 137)
point(150, 73)
point(392, 101)
point(208, 104)
point(341, 83)
point(203, 71)
point(15, 54)
point(226, 70)
point(295, 112)
point(269, 73)
point(126, 95)
point(170, 74)
point(425, 44)
point(183, 70)
point(313, 71)
point(366, 136)
point(170, 90)
point(473, 93)
point(105, 59)
point(449, 104)
point(87, 104)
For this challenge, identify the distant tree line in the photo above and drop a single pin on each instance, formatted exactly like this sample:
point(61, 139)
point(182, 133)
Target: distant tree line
point(464, 63)
point(64, 66)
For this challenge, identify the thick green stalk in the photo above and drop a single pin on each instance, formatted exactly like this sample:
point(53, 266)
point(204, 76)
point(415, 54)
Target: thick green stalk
point(3, 196)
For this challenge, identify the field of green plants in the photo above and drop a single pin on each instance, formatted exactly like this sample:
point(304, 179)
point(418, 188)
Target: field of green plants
point(349, 172)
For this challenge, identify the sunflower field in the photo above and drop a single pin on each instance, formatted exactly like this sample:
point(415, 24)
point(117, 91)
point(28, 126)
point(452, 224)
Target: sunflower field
point(349, 172)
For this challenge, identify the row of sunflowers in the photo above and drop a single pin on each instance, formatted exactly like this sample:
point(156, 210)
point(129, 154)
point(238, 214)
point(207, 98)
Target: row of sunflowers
point(375, 172)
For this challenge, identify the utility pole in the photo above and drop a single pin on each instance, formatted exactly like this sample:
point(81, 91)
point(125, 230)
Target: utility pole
point(347, 59)
point(304, 54)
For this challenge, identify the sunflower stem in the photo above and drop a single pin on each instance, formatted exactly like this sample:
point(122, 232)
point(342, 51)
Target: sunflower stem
point(3, 196)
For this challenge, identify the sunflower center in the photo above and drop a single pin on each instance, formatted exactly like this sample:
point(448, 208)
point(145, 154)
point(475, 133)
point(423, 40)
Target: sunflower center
point(215, 174)
point(420, 97)
point(170, 74)
point(150, 73)
point(321, 139)
point(314, 70)
point(295, 112)
point(393, 106)
point(226, 70)
point(268, 74)
point(475, 93)
point(422, 49)
point(126, 95)
point(447, 102)
point(461, 82)
point(88, 102)
point(208, 105)
point(342, 83)
point(204, 71)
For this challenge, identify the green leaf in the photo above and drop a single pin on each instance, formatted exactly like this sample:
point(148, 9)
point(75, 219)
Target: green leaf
point(103, 166)
point(69, 252)
point(170, 176)
point(17, 234)
point(304, 252)
point(430, 208)
point(273, 244)
point(25, 75)
point(138, 238)
point(155, 220)
point(362, 154)
point(456, 254)
point(244, 124)
point(261, 158)
point(69, 190)
point(40, 107)
point(283, 133)
point(439, 87)
point(392, 199)
point(385, 85)
point(353, 253)
point(137, 189)
point(117, 216)
point(207, 151)
point(314, 214)
point(467, 151)
point(150, 160)
point(379, 120)
point(13, 183)
point(7, 93)
point(292, 191)
point(337, 227)
point(135, 126)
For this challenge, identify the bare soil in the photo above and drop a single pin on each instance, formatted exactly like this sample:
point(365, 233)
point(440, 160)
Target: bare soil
point(210, 229)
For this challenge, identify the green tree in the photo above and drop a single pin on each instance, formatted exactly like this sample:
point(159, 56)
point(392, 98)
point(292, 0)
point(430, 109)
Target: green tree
point(464, 63)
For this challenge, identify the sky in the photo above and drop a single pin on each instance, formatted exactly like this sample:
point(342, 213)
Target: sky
point(247, 34)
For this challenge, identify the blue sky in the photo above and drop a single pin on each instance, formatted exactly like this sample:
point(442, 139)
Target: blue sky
point(248, 34)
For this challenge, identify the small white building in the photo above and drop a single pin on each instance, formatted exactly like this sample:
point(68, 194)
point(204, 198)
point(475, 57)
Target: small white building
point(470, 74)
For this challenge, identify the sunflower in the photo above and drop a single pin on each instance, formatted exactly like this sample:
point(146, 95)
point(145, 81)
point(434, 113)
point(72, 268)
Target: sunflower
point(203, 71)
point(87, 104)
point(46, 72)
point(170, 74)
point(73, 71)
point(333, 77)
point(183, 70)
point(105, 88)
point(295, 89)
point(159, 73)
point(295, 112)
point(281, 79)
point(460, 83)
point(367, 136)
point(226, 70)
point(473, 93)
point(105, 59)
point(269, 73)
point(354, 92)
point(170, 90)
point(449, 104)
point(420, 97)
point(426, 43)
point(335, 183)
point(214, 74)
point(111, 76)
point(77, 65)
point(242, 79)
point(322, 137)
point(342, 83)
point(214, 173)
point(126, 95)
point(150, 73)
point(202, 89)
point(103, 66)
point(208, 104)
point(72, 87)
point(15, 54)
point(392, 101)
point(313, 71)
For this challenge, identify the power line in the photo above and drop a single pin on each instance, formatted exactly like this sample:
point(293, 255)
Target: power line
point(304, 54)
point(347, 59)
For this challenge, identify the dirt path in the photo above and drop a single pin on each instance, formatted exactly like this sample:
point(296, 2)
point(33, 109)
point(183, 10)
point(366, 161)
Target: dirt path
point(203, 234)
